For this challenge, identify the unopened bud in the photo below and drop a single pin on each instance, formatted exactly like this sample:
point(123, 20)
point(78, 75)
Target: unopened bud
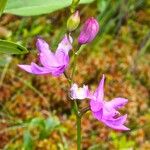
point(73, 21)
point(89, 31)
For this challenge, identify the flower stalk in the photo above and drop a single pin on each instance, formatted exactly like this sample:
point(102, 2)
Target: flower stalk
point(79, 137)
point(75, 104)
point(76, 108)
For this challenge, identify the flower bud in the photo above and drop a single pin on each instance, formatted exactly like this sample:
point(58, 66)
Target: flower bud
point(89, 31)
point(73, 21)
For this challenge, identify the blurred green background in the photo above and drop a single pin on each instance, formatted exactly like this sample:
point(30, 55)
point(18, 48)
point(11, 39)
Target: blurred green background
point(34, 110)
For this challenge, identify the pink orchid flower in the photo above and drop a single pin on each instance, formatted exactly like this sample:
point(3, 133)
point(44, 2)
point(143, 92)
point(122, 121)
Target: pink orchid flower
point(106, 111)
point(52, 63)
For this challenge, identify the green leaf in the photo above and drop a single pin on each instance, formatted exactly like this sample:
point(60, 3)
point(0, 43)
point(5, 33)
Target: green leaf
point(8, 47)
point(37, 122)
point(2, 6)
point(50, 124)
point(102, 4)
point(37, 7)
point(27, 141)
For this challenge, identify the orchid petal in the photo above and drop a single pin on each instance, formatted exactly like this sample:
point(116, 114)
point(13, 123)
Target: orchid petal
point(42, 46)
point(39, 70)
point(95, 105)
point(34, 69)
point(109, 111)
point(99, 93)
point(98, 115)
point(62, 58)
point(117, 103)
point(26, 68)
point(58, 71)
point(65, 45)
point(79, 93)
point(47, 58)
point(116, 123)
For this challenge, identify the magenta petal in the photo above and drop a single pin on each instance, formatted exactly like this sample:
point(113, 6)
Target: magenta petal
point(99, 93)
point(65, 45)
point(35, 69)
point(108, 111)
point(26, 68)
point(95, 105)
point(55, 71)
point(119, 120)
point(98, 115)
point(62, 58)
point(119, 127)
point(39, 70)
point(116, 123)
point(47, 58)
point(110, 108)
point(58, 71)
point(42, 46)
point(117, 103)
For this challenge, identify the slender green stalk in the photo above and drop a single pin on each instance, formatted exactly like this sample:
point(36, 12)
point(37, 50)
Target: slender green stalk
point(74, 66)
point(76, 109)
point(77, 112)
point(2, 6)
point(74, 103)
point(78, 122)
point(79, 137)
point(4, 71)
point(74, 5)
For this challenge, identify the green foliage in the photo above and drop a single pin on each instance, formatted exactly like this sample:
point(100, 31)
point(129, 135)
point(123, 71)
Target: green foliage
point(102, 4)
point(44, 126)
point(38, 128)
point(37, 7)
point(8, 47)
point(121, 143)
point(112, 14)
point(27, 141)
point(2, 5)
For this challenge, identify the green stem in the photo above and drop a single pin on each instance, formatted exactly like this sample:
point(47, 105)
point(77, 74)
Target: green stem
point(75, 54)
point(74, 103)
point(79, 138)
point(78, 122)
point(74, 66)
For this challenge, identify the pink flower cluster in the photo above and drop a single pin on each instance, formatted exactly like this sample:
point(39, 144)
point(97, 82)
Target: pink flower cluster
point(56, 63)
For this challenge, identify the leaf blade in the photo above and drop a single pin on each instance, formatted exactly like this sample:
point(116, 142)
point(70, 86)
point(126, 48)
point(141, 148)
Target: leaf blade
point(8, 47)
point(37, 7)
